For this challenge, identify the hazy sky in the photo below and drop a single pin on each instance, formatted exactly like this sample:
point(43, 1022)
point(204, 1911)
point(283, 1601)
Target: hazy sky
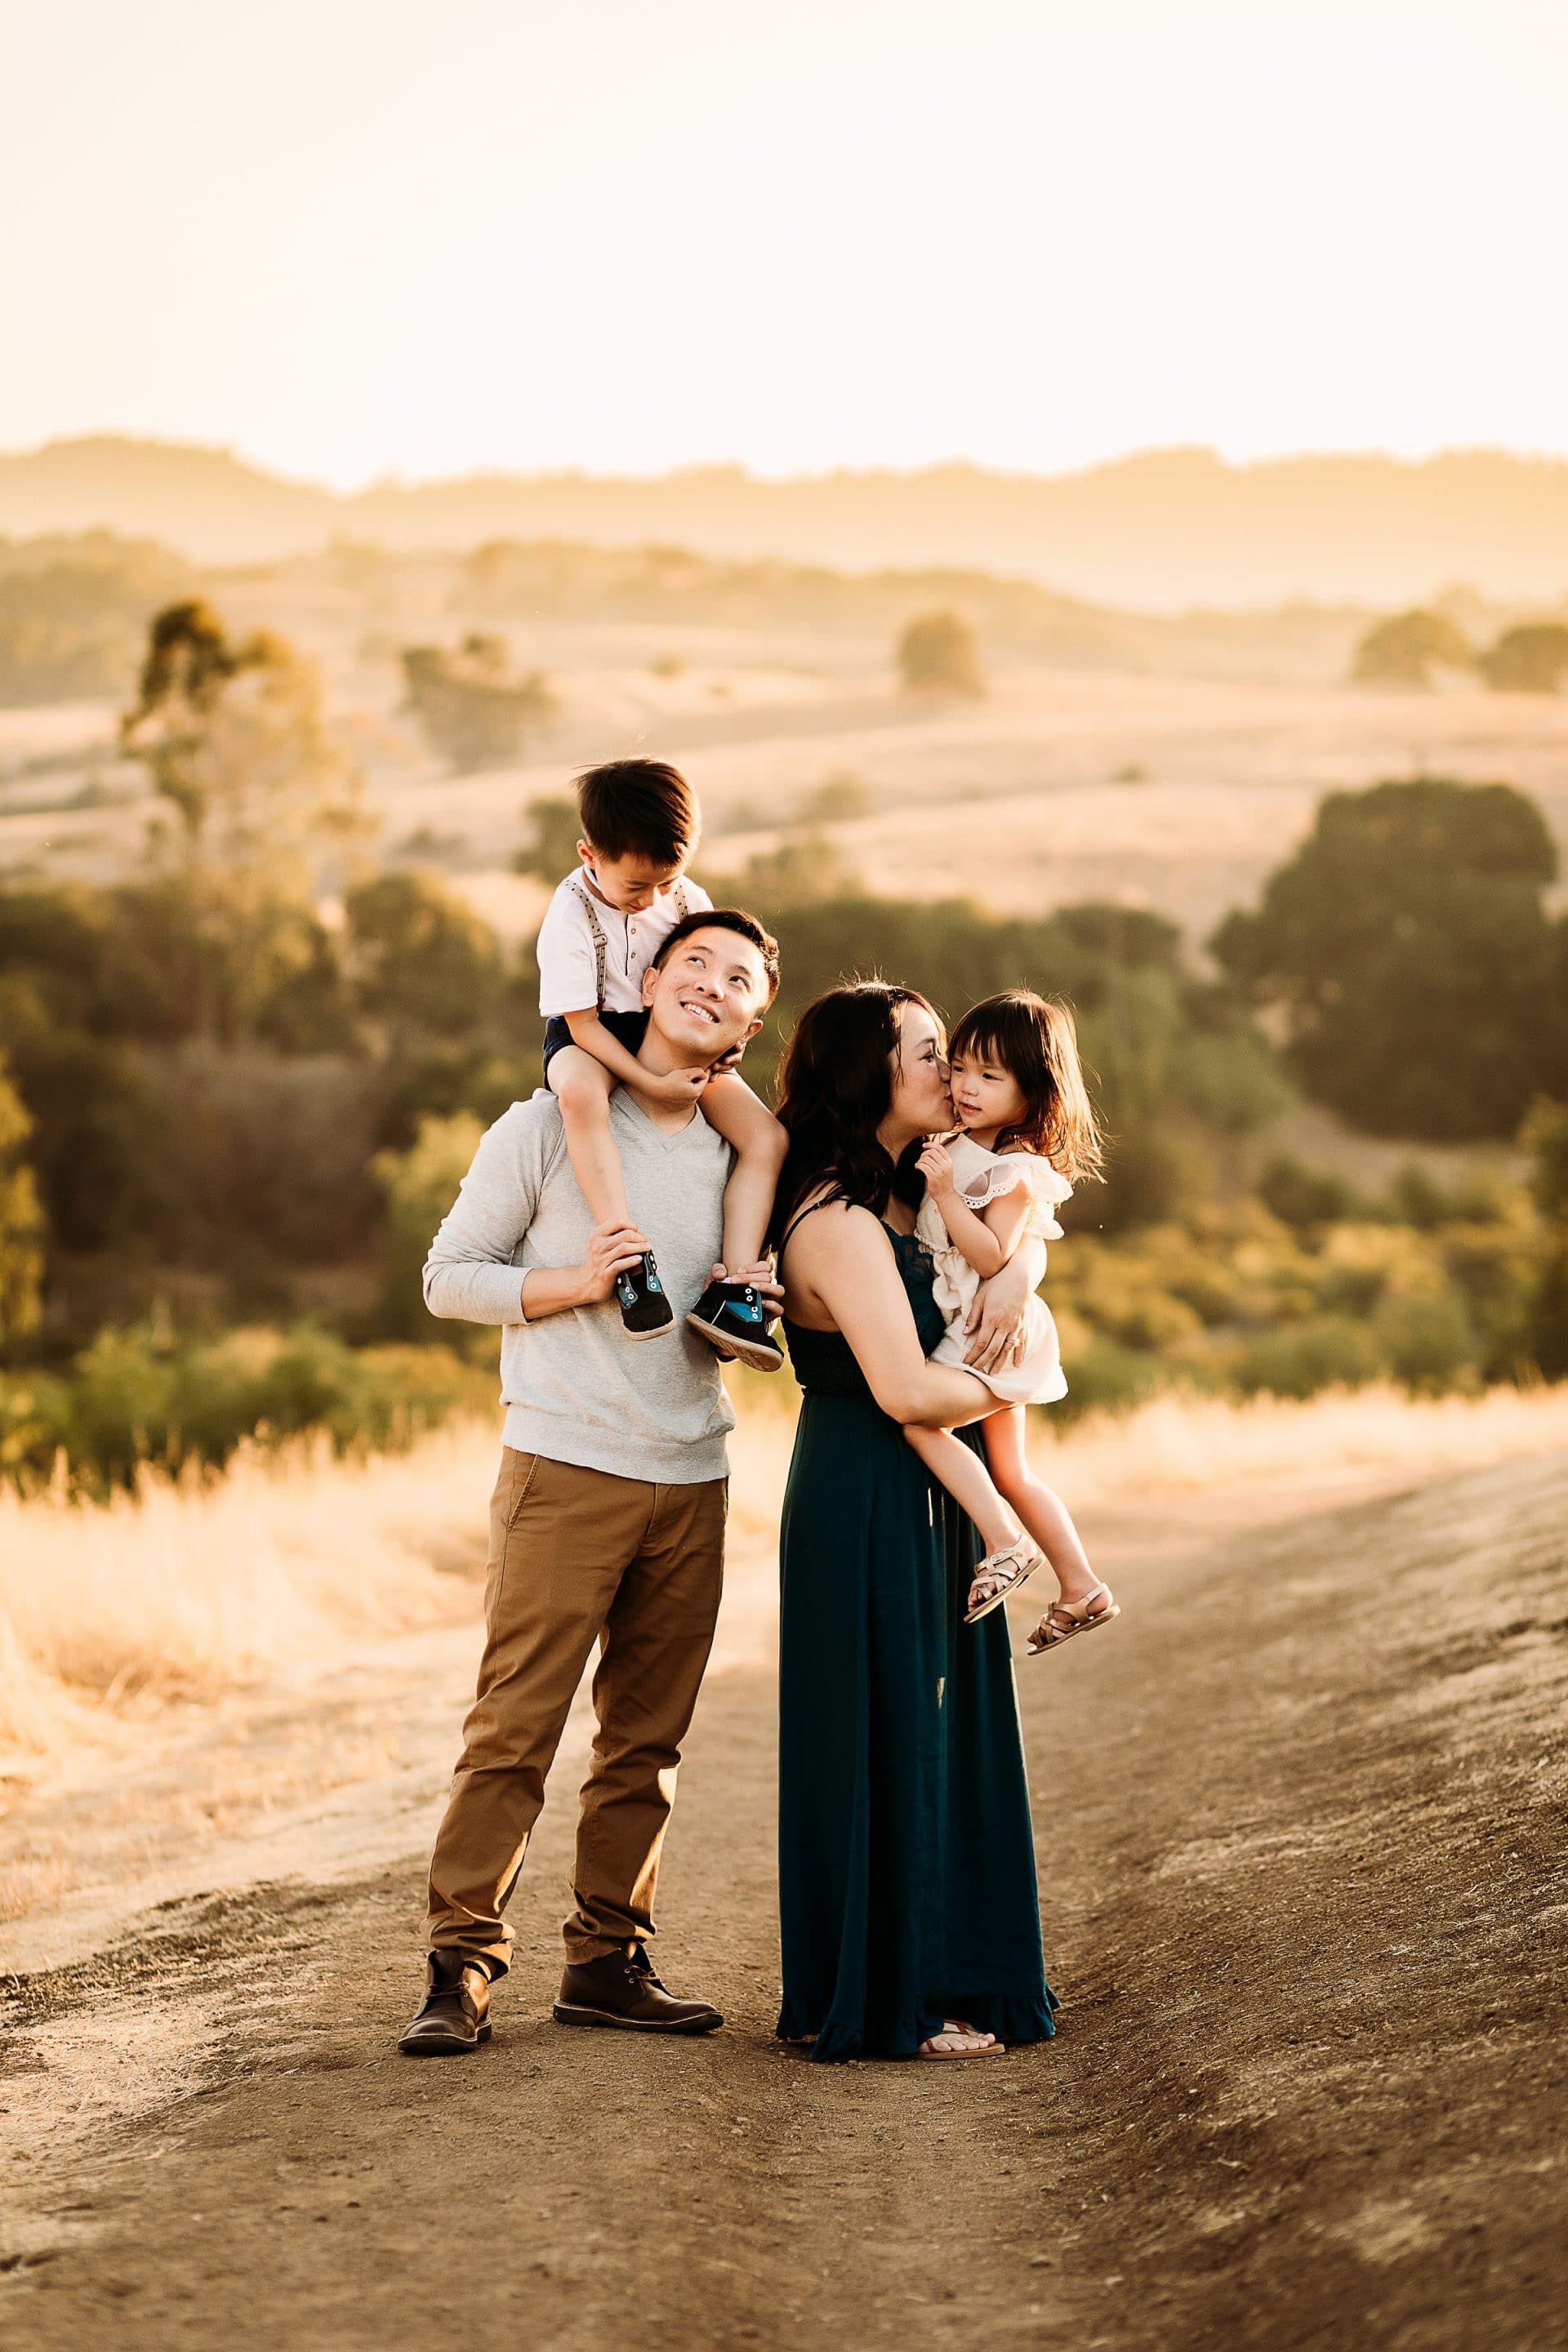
point(357, 236)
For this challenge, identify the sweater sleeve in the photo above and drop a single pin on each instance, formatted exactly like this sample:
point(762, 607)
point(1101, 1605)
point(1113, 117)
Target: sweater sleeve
point(471, 1273)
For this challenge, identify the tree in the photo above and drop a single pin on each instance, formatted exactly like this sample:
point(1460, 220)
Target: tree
point(1532, 660)
point(557, 827)
point(843, 799)
point(419, 1186)
point(804, 866)
point(21, 1220)
point(1408, 949)
point(1406, 650)
point(474, 710)
point(421, 960)
point(936, 651)
point(233, 738)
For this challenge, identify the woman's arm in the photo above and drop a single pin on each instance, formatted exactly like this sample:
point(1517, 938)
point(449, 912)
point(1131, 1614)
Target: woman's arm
point(842, 1255)
point(986, 1239)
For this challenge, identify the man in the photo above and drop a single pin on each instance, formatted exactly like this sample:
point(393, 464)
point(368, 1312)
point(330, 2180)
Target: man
point(607, 1519)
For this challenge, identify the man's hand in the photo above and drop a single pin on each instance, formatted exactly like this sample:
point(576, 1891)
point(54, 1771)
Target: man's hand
point(761, 1277)
point(936, 1167)
point(677, 1087)
point(995, 1324)
point(611, 1249)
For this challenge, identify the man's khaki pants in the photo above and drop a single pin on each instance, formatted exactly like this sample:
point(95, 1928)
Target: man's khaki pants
point(578, 1557)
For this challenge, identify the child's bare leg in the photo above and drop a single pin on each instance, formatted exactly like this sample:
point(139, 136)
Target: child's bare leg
point(583, 1087)
point(759, 1143)
point(1039, 1507)
point(967, 1480)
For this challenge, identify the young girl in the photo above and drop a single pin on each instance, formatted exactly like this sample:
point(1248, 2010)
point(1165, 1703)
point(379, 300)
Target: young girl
point(1025, 1127)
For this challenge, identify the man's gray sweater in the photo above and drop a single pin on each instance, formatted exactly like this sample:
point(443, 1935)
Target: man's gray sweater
point(576, 1386)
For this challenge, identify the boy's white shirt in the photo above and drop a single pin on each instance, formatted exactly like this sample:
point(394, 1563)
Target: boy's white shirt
point(568, 967)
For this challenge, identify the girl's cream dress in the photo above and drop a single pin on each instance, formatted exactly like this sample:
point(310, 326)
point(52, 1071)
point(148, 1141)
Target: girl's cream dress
point(983, 1177)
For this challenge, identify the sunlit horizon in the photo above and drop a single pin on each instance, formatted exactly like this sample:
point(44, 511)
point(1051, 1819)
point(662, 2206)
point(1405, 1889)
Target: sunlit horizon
point(953, 461)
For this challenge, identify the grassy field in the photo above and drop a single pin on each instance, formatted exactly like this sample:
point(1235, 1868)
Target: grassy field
point(185, 1591)
point(1175, 792)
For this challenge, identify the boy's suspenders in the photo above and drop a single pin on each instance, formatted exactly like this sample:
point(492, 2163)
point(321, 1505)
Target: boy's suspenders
point(600, 944)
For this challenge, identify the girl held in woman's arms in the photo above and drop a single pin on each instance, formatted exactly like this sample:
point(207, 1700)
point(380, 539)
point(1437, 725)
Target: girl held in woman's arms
point(1026, 1131)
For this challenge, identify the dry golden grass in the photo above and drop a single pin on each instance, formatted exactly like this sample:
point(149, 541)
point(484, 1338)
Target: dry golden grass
point(183, 1591)
point(1187, 1444)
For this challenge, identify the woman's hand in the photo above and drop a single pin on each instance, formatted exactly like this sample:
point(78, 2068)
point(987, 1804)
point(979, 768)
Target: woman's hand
point(995, 1327)
point(936, 1166)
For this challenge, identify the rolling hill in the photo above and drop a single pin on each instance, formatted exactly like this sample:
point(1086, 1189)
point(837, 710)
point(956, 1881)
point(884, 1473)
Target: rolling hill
point(1162, 529)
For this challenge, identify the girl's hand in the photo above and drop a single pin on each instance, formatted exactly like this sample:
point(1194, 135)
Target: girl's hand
point(936, 1166)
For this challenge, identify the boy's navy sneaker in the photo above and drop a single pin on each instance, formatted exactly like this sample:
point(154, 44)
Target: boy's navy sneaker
point(732, 1317)
point(645, 1310)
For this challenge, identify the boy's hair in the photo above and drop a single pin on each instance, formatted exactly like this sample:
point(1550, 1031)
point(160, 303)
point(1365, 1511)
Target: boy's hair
point(642, 808)
point(726, 919)
point(1035, 1042)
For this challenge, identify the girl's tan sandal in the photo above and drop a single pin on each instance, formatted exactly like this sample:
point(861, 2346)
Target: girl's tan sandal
point(959, 2027)
point(1006, 1569)
point(1062, 1620)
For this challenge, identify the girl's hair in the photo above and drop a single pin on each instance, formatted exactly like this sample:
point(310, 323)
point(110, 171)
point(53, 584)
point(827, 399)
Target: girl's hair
point(836, 1087)
point(1035, 1042)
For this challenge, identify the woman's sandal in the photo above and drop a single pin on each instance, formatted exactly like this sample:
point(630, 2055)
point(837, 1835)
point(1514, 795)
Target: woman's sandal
point(1062, 1620)
point(959, 2026)
point(1005, 1570)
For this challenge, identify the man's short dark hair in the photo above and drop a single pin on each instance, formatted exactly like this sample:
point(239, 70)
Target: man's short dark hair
point(727, 919)
point(639, 808)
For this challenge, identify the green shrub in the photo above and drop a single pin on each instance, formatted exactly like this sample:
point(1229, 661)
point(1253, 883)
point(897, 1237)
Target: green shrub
point(1301, 1196)
point(938, 650)
point(1428, 1343)
point(1105, 1377)
point(420, 1185)
point(135, 1396)
point(1326, 1352)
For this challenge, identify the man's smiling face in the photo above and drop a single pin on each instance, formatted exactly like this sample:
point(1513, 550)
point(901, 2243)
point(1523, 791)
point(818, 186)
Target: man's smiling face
point(708, 995)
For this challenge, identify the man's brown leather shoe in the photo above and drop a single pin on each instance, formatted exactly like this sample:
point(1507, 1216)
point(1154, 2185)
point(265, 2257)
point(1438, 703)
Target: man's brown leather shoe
point(452, 2017)
point(622, 1989)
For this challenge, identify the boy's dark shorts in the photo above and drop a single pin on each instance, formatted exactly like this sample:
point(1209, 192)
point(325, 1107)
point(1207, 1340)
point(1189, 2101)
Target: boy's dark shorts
point(627, 1029)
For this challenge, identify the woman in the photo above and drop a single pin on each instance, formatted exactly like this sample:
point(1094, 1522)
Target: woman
point(910, 1925)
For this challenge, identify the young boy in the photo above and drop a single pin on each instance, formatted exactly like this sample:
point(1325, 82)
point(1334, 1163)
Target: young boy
point(603, 929)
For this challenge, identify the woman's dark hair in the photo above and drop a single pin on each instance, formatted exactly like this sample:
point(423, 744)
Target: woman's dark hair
point(836, 1087)
point(639, 807)
point(1035, 1042)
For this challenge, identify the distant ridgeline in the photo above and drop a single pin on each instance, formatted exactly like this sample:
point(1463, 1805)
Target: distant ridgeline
point(1163, 528)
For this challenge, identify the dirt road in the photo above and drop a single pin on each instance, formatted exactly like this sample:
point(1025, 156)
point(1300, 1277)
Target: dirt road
point(1298, 1820)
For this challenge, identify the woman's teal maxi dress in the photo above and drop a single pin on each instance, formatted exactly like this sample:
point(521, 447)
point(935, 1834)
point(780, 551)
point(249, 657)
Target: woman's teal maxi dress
point(906, 1858)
